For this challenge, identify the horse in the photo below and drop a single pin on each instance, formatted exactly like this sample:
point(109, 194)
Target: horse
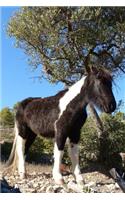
point(61, 117)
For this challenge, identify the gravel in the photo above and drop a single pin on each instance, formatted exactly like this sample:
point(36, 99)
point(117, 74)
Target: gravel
point(39, 180)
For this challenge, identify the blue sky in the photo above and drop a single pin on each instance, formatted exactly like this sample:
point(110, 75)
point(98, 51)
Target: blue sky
point(16, 80)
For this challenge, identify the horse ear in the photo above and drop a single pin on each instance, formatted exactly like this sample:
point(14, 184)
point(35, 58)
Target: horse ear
point(87, 69)
point(94, 70)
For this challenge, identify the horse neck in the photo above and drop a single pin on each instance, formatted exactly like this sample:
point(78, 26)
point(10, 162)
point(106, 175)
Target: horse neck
point(81, 100)
point(75, 97)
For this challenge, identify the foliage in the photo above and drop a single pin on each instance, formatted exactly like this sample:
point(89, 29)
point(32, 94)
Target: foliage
point(120, 115)
point(15, 108)
point(112, 143)
point(41, 151)
point(6, 117)
point(89, 143)
point(115, 139)
point(67, 40)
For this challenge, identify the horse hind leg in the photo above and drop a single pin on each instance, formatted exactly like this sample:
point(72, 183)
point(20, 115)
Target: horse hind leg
point(22, 147)
point(20, 150)
point(29, 141)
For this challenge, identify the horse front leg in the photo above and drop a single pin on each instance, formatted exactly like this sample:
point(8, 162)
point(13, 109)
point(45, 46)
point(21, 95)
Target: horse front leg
point(58, 154)
point(74, 155)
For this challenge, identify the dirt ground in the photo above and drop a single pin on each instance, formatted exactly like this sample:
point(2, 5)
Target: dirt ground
point(39, 180)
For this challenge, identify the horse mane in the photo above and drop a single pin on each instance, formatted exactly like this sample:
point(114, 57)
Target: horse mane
point(102, 73)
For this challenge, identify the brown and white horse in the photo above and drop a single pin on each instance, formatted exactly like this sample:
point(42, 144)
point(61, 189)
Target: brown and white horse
point(61, 117)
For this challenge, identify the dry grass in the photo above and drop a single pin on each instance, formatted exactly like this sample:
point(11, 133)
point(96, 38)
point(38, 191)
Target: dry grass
point(30, 168)
point(38, 168)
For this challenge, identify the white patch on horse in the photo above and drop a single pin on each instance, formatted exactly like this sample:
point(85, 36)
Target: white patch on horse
point(20, 148)
point(74, 155)
point(57, 162)
point(73, 91)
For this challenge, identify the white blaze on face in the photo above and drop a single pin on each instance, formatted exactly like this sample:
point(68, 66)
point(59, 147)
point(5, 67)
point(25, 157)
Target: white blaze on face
point(70, 95)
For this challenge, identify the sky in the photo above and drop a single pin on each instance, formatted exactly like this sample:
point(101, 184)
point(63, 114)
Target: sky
point(17, 81)
point(16, 76)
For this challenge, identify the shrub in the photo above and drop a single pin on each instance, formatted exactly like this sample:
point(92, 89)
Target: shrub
point(89, 143)
point(115, 140)
point(112, 144)
point(41, 151)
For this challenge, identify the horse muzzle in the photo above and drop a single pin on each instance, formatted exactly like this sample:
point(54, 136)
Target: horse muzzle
point(110, 108)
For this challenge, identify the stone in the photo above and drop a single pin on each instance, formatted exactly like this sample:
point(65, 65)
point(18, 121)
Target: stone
point(74, 187)
point(117, 186)
point(90, 184)
point(49, 189)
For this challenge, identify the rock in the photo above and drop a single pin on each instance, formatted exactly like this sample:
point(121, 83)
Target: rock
point(57, 189)
point(6, 188)
point(110, 186)
point(42, 188)
point(90, 184)
point(74, 187)
point(117, 186)
point(49, 189)
point(36, 185)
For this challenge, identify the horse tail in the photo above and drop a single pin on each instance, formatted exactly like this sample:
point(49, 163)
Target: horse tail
point(19, 113)
point(12, 156)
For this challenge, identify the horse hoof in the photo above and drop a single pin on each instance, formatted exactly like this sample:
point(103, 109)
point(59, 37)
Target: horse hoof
point(59, 182)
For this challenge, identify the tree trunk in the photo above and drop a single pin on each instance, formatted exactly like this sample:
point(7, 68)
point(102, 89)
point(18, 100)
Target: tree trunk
point(102, 135)
point(97, 119)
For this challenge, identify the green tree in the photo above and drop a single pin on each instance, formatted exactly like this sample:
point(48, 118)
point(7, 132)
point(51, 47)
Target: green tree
point(115, 136)
point(67, 40)
point(120, 115)
point(15, 107)
point(6, 117)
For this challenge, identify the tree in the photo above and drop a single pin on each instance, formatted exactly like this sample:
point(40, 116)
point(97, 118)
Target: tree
point(6, 117)
point(15, 107)
point(120, 115)
point(67, 40)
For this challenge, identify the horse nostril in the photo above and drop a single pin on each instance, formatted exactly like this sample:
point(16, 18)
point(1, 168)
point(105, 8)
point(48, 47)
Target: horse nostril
point(112, 106)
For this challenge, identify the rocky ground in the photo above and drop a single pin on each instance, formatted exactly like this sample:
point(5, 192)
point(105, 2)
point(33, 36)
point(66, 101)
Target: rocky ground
point(39, 180)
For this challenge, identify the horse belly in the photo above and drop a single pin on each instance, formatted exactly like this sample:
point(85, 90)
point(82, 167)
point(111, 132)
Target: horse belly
point(42, 125)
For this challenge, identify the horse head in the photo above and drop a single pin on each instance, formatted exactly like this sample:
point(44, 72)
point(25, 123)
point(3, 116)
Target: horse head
point(100, 90)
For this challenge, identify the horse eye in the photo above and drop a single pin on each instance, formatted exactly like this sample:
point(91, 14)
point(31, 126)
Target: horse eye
point(108, 83)
point(98, 75)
